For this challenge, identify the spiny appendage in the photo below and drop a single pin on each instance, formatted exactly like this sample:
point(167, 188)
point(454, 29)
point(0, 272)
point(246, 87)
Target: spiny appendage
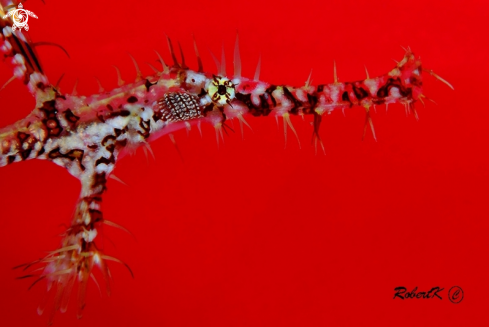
point(401, 85)
point(77, 256)
point(26, 138)
point(222, 97)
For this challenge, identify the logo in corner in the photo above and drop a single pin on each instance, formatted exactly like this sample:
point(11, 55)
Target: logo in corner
point(20, 16)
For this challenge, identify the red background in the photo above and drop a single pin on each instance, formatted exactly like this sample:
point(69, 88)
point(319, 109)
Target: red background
point(252, 234)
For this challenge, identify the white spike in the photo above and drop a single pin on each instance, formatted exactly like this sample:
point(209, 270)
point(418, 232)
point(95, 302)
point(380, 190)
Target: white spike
point(368, 120)
point(308, 82)
point(218, 65)
point(237, 58)
point(74, 88)
point(8, 82)
point(165, 67)
point(153, 68)
point(316, 145)
point(188, 127)
point(241, 119)
point(335, 77)
point(257, 71)
point(286, 118)
point(120, 81)
point(147, 146)
point(414, 112)
point(96, 283)
point(100, 87)
point(241, 129)
point(220, 132)
point(199, 128)
point(241, 122)
point(114, 177)
point(122, 228)
point(285, 132)
point(421, 100)
point(145, 151)
point(366, 72)
point(139, 75)
point(432, 73)
point(172, 139)
point(223, 62)
point(217, 127)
